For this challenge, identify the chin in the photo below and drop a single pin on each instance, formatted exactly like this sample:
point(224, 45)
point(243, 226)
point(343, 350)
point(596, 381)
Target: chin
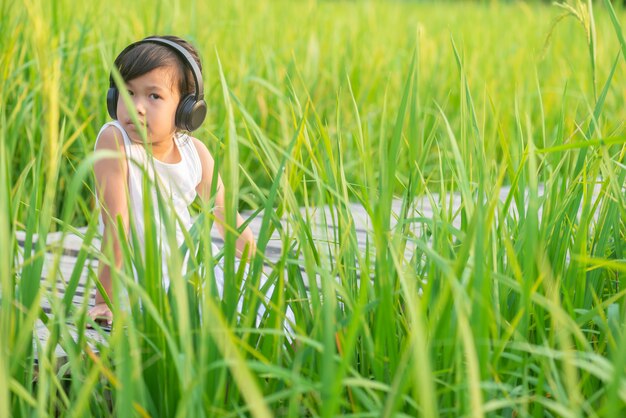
point(136, 136)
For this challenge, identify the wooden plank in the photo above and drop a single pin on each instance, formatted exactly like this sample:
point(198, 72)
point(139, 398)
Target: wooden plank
point(64, 248)
point(93, 337)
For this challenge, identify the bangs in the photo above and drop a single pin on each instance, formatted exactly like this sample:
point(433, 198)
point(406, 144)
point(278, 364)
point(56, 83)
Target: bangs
point(146, 57)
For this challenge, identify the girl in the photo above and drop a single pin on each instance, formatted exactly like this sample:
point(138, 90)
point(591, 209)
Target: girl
point(164, 81)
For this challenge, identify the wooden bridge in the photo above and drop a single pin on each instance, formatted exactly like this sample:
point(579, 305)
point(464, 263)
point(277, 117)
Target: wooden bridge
point(323, 229)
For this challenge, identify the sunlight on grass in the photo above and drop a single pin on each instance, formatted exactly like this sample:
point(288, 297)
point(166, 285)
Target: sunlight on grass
point(445, 182)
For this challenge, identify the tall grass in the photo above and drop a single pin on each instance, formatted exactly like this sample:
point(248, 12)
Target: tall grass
point(508, 306)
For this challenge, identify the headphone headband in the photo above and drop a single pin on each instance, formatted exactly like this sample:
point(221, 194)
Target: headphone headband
point(195, 70)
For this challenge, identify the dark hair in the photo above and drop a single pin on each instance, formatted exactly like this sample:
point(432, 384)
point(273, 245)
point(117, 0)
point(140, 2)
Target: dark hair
point(145, 57)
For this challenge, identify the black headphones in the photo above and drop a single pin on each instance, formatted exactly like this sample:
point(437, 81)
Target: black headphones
point(191, 109)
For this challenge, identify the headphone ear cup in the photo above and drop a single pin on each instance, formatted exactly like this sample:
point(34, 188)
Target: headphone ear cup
point(182, 112)
point(198, 114)
point(112, 96)
point(190, 113)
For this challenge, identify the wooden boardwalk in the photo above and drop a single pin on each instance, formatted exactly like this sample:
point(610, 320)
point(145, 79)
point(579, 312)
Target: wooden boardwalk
point(323, 229)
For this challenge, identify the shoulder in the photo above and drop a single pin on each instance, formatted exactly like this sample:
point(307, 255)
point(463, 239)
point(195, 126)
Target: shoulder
point(110, 138)
point(203, 151)
point(206, 159)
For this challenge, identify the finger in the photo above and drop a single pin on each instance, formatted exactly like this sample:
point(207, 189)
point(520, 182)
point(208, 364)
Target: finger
point(102, 317)
point(105, 318)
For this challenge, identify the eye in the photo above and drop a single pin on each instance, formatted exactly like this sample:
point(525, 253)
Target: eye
point(130, 93)
point(154, 96)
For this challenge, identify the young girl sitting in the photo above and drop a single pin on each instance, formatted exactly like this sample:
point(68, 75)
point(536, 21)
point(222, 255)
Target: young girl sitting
point(164, 81)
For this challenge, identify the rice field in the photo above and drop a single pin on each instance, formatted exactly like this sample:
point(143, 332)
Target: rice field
point(505, 304)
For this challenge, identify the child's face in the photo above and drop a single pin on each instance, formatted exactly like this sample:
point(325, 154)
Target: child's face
point(155, 98)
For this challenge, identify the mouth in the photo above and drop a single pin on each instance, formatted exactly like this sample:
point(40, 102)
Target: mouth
point(131, 125)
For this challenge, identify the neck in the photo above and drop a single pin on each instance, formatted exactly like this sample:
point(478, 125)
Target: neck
point(165, 151)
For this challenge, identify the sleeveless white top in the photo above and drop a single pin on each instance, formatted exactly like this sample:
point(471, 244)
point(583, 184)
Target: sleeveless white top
point(177, 183)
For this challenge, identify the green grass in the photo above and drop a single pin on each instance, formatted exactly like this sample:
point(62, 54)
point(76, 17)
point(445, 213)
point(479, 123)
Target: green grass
point(316, 104)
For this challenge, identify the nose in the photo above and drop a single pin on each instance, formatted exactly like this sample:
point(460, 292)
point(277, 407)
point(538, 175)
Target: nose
point(139, 106)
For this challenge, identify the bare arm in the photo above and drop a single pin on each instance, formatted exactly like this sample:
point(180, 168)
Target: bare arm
point(246, 238)
point(111, 186)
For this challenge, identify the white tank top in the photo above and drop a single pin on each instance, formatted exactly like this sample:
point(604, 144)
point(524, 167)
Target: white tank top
point(177, 184)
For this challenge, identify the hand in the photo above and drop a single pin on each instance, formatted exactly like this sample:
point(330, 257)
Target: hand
point(101, 314)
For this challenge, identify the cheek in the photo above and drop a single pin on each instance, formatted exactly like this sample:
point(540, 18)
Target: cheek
point(121, 109)
point(172, 112)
